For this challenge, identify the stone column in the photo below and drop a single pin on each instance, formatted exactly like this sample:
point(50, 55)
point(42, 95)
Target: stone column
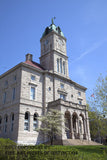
point(82, 129)
point(72, 128)
point(78, 132)
point(85, 132)
point(88, 129)
point(44, 94)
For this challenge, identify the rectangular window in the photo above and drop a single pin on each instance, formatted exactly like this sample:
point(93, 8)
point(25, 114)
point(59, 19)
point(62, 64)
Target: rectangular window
point(79, 93)
point(57, 65)
point(4, 98)
point(15, 78)
point(32, 77)
point(26, 126)
point(62, 86)
point(60, 65)
point(6, 83)
point(12, 127)
point(64, 67)
point(32, 93)
point(62, 96)
point(80, 102)
point(13, 94)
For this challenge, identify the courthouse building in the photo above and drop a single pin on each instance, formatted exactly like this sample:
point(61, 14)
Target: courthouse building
point(29, 89)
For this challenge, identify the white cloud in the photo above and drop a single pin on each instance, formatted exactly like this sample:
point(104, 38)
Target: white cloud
point(90, 50)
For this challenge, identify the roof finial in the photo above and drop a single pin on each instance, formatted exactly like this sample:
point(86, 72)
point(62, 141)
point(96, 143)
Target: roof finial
point(52, 20)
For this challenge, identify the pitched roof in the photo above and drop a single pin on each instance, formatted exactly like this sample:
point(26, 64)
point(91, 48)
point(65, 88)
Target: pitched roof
point(34, 64)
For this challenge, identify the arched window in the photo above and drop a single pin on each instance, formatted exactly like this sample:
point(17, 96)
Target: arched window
point(57, 65)
point(26, 121)
point(0, 123)
point(63, 67)
point(35, 121)
point(12, 121)
point(60, 65)
point(5, 121)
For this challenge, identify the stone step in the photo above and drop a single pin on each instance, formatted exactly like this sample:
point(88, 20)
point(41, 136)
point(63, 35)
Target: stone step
point(72, 142)
point(79, 142)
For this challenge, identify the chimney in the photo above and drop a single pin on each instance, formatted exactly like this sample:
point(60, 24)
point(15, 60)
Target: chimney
point(29, 57)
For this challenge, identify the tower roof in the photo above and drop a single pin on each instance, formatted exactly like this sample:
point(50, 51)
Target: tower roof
point(51, 28)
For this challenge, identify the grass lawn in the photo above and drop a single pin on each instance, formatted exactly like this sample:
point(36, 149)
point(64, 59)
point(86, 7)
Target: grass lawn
point(59, 152)
point(46, 152)
point(92, 152)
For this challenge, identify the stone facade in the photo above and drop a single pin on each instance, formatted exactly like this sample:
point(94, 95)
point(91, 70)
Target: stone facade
point(29, 89)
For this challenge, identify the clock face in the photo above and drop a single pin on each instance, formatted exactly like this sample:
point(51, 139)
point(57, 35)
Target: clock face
point(60, 42)
point(60, 45)
point(45, 46)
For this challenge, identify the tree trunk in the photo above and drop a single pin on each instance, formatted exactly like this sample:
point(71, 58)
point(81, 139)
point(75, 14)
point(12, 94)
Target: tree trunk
point(51, 139)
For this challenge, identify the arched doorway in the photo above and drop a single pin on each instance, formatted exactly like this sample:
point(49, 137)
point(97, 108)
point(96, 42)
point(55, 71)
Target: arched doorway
point(68, 124)
point(75, 124)
point(82, 128)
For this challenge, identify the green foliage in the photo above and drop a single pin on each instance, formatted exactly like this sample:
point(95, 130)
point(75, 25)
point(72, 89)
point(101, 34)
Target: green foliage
point(7, 149)
point(98, 110)
point(98, 125)
point(46, 152)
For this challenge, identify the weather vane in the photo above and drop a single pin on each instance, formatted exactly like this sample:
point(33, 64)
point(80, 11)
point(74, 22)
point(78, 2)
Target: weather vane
point(52, 20)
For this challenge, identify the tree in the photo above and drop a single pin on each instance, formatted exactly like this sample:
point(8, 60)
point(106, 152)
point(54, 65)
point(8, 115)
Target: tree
point(100, 94)
point(98, 110)
point(98, 125)
point(51, 124)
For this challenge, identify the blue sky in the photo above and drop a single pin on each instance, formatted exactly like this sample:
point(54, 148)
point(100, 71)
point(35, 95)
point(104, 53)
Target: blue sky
point(83, 22)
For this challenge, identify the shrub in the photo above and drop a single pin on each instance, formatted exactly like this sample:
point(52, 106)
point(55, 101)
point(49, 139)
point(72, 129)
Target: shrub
point(7, 149)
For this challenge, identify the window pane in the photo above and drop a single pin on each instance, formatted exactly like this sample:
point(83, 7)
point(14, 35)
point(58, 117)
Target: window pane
point(32, 95)
point(60, 65)
point(35, 121)
point(13, 97)
point(62, 96)
point(26, 116)
point(0, 120)
point(32, 77)
point(26, 127)
point(12, 126)
point(12, 117)
point(57, 65)
point(4, 98)
point(62, 86)
point(80, 102)
point(64, 67)
point(79, 93)
point(6, 119)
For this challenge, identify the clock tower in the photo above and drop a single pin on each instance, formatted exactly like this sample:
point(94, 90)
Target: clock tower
point(53, 50)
